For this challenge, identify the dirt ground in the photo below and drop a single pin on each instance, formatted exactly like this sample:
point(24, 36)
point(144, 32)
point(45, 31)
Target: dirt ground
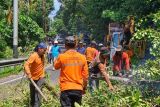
point(14, 89)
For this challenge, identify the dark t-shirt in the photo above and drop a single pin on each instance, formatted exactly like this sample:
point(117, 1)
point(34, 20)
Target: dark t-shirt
point(95, 64)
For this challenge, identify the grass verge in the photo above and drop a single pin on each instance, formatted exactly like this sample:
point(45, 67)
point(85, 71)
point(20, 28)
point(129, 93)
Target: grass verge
point(4, 72)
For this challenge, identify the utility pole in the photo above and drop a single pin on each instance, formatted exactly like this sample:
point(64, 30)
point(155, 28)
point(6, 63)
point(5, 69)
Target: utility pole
point(44, 14)
point(15, 28)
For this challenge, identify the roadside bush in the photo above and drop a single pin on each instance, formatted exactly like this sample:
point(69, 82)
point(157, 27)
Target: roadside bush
point(122, 96)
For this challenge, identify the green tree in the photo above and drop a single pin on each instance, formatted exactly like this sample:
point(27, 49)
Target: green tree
point(95, 15)
point(57, 26)
point(148, 28)
point(30, 22)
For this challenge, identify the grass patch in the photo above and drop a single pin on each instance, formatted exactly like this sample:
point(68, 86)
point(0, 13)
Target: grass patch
point(10, 70)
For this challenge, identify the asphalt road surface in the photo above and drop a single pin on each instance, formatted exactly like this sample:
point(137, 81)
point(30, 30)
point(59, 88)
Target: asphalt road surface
point(53, 75)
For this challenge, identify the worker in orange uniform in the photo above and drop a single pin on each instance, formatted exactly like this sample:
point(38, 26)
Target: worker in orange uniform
point(73, 74)
point(129, 51)
point(121, 62)
point(34, 68)
point(91, 52)
point(97, 66)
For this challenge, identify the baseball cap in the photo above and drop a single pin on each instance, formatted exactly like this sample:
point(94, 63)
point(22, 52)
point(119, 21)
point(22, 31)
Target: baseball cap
point(70, 41)
point(42, 45)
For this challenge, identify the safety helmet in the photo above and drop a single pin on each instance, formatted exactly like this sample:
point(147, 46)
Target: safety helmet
point(70, 41)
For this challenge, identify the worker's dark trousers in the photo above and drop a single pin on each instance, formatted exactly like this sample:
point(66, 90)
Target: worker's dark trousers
point(93, 83)
point(34, 94)
point(69, 97)
point(49, 56)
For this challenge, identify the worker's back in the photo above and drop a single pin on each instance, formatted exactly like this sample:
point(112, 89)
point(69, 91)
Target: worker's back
point(73, 68)
point(90, 54)
point(130, 53)
point(73, 74)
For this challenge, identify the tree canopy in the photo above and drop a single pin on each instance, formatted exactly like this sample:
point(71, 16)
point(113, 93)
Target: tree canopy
point(94, 16)
point(33, 14)
point(76, 16)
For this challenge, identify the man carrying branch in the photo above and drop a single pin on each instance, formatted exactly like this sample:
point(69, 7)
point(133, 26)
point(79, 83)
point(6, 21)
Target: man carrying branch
point(34, 68)
point(97, 66)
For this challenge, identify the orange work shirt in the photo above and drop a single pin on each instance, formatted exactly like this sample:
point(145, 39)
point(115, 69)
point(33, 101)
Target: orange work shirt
point(35, 66)
point(130, 53)
point(90, 54)
point(121, 62)
point(74, 70)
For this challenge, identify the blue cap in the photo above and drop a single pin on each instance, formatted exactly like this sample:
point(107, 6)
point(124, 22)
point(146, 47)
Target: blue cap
point(42, 45)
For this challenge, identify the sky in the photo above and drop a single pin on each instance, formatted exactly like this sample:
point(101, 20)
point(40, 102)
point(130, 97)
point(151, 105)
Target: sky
point(56, 6)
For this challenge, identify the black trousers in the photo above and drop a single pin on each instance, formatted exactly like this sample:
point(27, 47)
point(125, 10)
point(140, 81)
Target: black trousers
point(49, 56)
point(34, 94)
point(69, 97)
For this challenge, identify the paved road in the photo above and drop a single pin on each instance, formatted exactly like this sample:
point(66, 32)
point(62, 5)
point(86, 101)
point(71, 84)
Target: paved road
point(53, 77)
